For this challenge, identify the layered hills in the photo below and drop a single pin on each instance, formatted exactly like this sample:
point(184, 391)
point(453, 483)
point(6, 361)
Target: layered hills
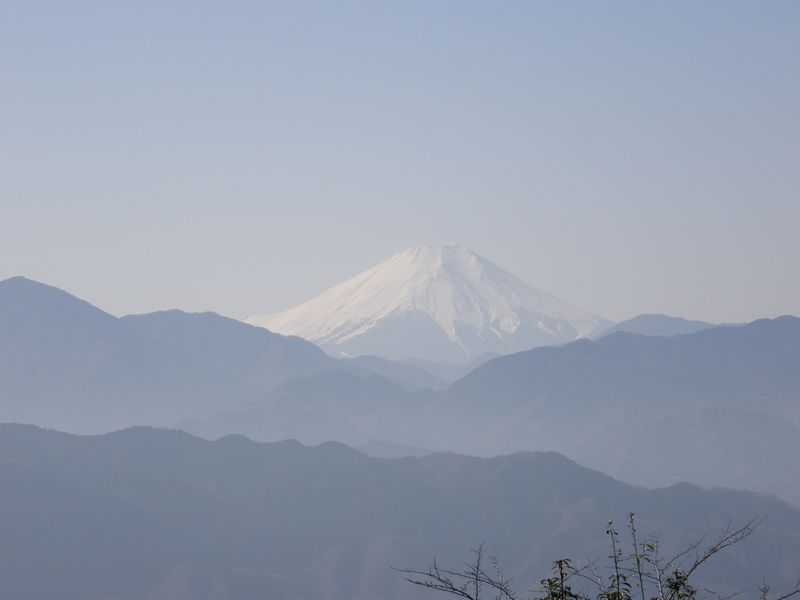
point(67, 364)
point(648, 409)
point(146, 514)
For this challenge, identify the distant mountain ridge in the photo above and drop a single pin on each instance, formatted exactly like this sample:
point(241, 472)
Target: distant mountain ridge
point(651, 409)
point(146, 514)
point(436, 303)
point(654, 324)
point(678, 407)
point(67, 364)
point(654, 408)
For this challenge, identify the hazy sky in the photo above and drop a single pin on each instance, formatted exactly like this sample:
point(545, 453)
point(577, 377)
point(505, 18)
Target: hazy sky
point(241, 157)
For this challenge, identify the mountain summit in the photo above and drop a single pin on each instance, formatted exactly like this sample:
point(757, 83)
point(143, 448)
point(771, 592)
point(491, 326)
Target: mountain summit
point(433, 302)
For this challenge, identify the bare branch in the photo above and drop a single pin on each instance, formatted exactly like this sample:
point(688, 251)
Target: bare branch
point(727, 539)
point(671, 578)
point(794, 592)
point(638, 559)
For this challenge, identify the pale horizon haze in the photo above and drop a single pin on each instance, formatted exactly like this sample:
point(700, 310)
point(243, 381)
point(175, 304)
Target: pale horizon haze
point(241, 157)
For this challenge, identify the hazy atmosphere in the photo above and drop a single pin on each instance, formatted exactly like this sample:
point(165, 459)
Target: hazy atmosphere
point(399, 300)
point(627, 157)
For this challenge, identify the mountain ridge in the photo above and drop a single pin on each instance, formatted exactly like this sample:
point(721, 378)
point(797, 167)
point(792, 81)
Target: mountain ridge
point(433, 302)
point(65, 363)
point(154, 514)
point(656, 324)
point(653, 409)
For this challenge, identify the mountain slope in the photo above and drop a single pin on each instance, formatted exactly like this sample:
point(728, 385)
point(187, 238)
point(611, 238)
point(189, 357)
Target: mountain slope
point(230, 352)
point(153, 514)
point(66, 364)
point(663, 325)
point(410, 376)
point(652, 410)
point(649, 408)
point(450, 372)
point(63, 361)
point(434, 302)
point(329, 406)
point(747, 367)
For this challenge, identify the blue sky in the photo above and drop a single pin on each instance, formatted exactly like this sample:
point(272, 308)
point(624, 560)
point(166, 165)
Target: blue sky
point(243, 156)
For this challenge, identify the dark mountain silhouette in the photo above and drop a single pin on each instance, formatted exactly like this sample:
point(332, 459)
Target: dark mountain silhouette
point(156, 514)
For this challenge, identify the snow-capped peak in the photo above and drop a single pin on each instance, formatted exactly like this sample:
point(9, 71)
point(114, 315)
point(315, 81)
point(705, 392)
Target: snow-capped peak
point(425, 296)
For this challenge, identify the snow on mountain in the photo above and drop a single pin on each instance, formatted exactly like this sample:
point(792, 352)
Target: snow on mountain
point(434, 302)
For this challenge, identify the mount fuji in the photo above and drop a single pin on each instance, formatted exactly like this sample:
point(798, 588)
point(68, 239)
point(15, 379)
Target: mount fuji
point(434, 302)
